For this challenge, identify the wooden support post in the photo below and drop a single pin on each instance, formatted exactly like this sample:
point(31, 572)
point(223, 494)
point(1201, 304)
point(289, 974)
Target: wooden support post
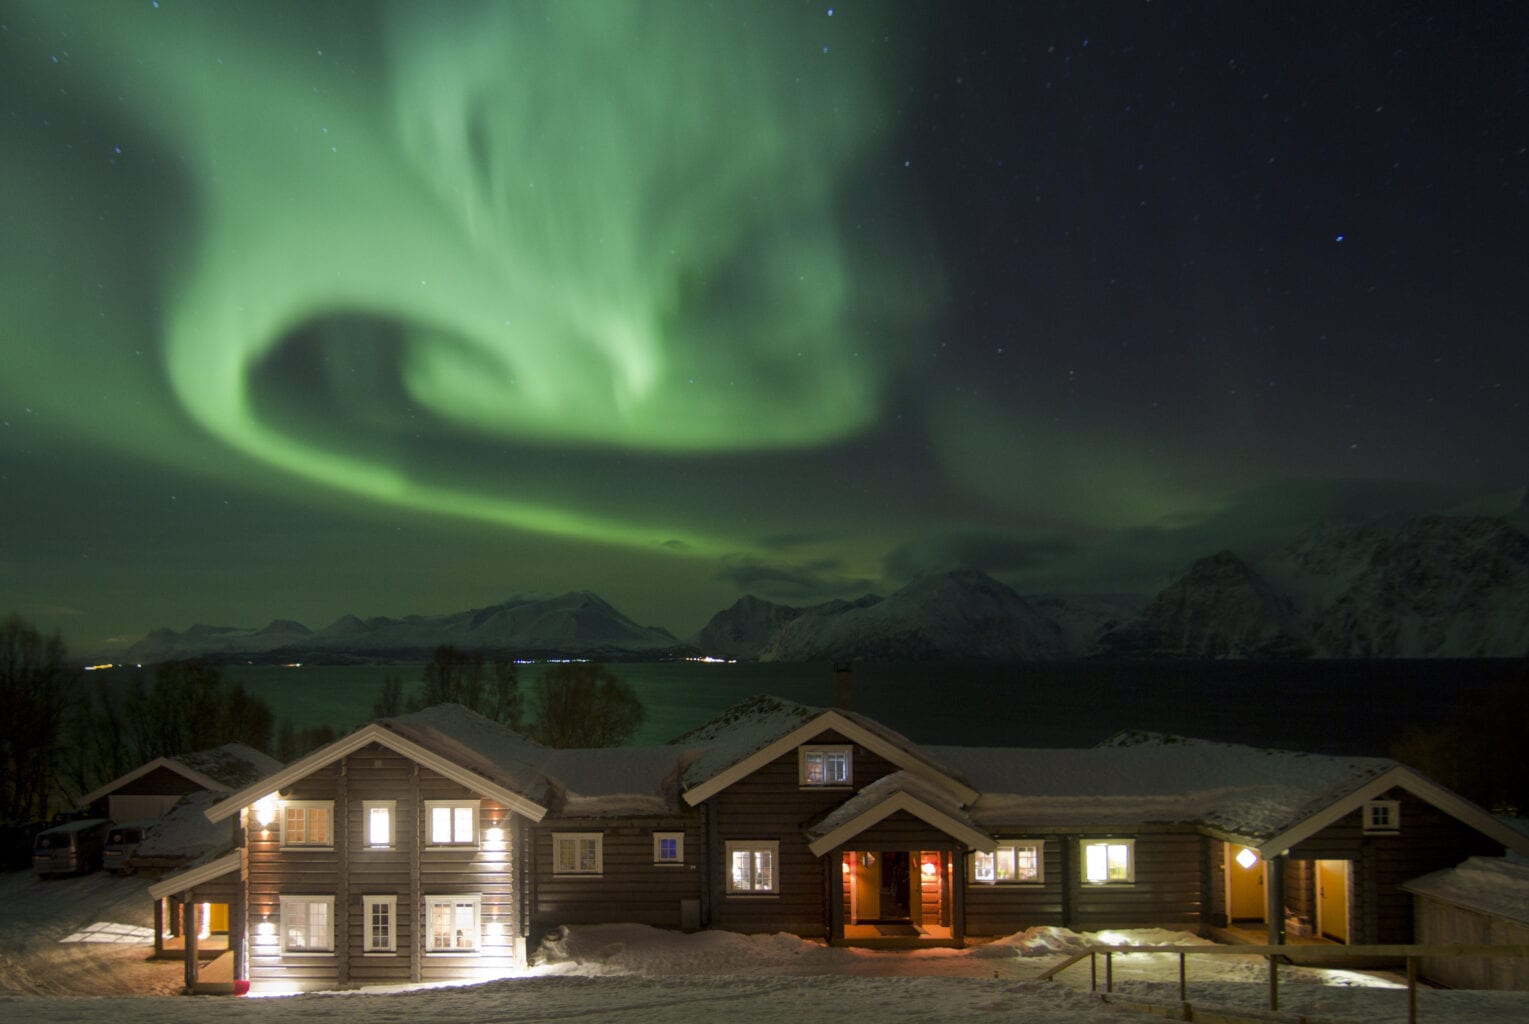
point(1093, 972)
point(1412, 990)
point(159, 927)
point(1274, 984)
point(1181, 977)
point(190, 928)
point(1109, 971)
point(1274, 902)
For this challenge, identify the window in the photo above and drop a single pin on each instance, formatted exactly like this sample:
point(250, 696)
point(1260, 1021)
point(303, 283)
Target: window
point(668, 847)
point(452, 822)
point(1010, 862)
point(751, 867)
point(307, 924)
point(453, 924)
point(826, 766)
point(1107, 861)
point(377, 818)
point(578, 853)
point(307, 823)
point(1383, 817)
point(378, 914)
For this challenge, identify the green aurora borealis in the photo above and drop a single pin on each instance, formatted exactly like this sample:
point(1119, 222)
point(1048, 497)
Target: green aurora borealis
point(316, 308)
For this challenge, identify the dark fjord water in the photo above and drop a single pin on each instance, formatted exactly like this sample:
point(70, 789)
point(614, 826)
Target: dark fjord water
point(1351, 707)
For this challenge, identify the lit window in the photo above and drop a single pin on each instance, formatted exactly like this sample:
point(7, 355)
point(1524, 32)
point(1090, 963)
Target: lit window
point(1010, 862)
point(668, 847)
point(1383, 817)
point(826, 766)
point(577, 853)
point(452, 822)
point(1107, 861)
point(378, 818)
point(378, 914)
point(453, 923)
point(307, 823)
point(307, 924)
point(751, 867)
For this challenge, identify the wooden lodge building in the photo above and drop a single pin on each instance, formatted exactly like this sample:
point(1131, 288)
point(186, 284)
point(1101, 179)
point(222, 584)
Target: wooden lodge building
point(440, 846)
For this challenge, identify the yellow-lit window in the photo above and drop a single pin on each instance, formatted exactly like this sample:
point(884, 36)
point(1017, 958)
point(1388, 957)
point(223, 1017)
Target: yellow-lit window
point(307, 823)
point(1107, 861)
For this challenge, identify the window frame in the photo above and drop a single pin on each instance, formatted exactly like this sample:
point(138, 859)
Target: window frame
point(1014, 846)
point(678, 860)
point(453, 901)
point(454, 843)
point(732, 847)
point(1084, 845)
point(307, 807)
point(1392, 810)
point(288, 904)
point(367, 807)
point(368, 943)
point(559, 838)
point(805, 754)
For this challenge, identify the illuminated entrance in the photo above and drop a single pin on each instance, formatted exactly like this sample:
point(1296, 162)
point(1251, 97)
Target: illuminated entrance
point(904, 895)
point(1246, 891)
point(1332, 899)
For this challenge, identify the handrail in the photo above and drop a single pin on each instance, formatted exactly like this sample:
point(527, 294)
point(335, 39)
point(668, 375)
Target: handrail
point(1411, 952)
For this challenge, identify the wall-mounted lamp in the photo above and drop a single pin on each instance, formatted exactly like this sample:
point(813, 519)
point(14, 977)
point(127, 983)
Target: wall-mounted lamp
point(1246, 857)
point(930, 869)
point(266, 810)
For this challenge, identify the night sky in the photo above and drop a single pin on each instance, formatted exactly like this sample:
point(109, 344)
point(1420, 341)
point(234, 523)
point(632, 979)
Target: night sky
point(316, 308)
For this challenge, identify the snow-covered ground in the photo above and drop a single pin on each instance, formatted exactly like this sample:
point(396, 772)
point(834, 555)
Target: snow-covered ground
point(74, 950)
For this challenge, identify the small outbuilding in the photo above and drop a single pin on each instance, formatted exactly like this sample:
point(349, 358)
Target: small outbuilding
point(1482, 901)
point(150, 790)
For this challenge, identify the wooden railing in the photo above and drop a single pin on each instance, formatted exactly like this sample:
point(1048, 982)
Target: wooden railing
point(1274, 954)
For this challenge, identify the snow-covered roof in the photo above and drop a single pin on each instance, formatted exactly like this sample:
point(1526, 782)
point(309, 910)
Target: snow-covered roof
point(754, 731)
point(748, 726)
point(219, 769)
point(184, 834)
point(1245, 792)
point(615, 781)
point(1489, 885)
point(232, 764)
point(481, 745)
point(899, 791)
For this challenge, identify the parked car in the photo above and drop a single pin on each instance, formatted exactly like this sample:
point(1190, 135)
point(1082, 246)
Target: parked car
point(121, 841)
point(73, 849)
point(17, 840)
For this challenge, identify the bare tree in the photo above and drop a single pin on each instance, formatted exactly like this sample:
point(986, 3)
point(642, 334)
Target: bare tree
point(584, 704)
point(34, 684)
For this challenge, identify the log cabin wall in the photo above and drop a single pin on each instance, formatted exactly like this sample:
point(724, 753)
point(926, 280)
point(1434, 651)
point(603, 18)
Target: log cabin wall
point(1167, 890)
point(410, 871)
point(1426, 840)
point(770, 804)
point(631, 887)
point(1002, 908)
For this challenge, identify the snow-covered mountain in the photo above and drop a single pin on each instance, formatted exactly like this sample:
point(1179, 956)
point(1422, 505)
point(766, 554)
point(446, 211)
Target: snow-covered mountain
point(1221, 608)
point(1440, 587)
point(956, 616)
point(744, 629)
point(575, 624)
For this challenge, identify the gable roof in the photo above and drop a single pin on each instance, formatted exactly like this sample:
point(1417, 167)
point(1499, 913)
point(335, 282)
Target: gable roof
point(190, 877)
point(217, 770)
point(1264, 798)
point(900, 791)
point(1419, 785)
point(1487, 885)
point(751, 734)
point(1239, 792)
point(459, 744)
